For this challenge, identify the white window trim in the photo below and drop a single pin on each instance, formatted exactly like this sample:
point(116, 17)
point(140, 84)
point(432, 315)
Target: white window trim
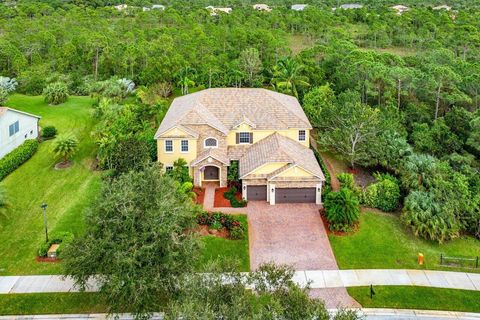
point(181, 147)
point(15, 132)
point(304, 135)
point(240, 137)
point(165, 147)
point(210, 147)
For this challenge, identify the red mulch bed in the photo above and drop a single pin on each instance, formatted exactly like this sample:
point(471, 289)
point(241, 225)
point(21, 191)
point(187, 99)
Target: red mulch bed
point(203, 230)
point(336, 233)
point(220, 201)
point(47, 259)
point(200, 195)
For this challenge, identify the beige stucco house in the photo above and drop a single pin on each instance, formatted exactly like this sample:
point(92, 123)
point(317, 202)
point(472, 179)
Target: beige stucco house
point(266, 132)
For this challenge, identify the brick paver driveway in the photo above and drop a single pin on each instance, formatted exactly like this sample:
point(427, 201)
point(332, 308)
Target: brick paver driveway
point(290, 234)
point(294, 234)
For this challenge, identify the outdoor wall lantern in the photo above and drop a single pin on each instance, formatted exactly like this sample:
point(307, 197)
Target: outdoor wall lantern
point(244, 187)
point(273, 190)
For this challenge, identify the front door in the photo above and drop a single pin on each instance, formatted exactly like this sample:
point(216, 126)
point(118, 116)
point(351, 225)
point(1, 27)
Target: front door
point(211, 173)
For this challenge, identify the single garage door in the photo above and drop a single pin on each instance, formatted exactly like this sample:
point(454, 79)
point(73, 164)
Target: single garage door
point(295, 195)
point(256, 192)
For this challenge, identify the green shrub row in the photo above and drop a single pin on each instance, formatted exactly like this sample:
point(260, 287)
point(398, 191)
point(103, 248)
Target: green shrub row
point(327, 187)
point(62, 238)
point(17, 157)
point(218, 220)
point(234, 202)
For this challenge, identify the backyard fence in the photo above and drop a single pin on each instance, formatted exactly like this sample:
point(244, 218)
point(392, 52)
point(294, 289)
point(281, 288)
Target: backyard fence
point(459, 262)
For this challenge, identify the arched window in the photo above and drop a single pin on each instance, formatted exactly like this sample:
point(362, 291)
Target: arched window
point(211, 143)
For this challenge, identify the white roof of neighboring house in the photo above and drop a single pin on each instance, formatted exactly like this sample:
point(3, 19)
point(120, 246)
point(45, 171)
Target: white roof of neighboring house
point(158, 6)
point(443, 7)
point(121, 7)
point(299, 7)
point(399, 7)
point(4, 110)
point(262, 6)
point(224, 108)
point(214, 10)
point(351, 6)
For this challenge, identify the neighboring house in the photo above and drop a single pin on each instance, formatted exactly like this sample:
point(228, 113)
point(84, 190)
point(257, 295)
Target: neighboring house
point(214, 10)
point(266, 132)
point(262, 7)
point(442, 7)
point(154, 7)
point(349, 6)
point(299, 7)
point(400, 8)
point(121, 7)
point(16, 127)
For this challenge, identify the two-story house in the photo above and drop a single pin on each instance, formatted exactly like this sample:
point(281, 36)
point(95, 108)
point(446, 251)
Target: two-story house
point(15, 127)
point(265, 131)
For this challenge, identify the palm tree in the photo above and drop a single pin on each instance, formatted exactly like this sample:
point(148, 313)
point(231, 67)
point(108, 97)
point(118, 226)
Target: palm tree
point(184, 79)
point(65, 147)
point(286, 76)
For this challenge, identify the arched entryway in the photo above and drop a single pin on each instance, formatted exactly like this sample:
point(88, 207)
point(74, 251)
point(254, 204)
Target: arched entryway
point(211, 173)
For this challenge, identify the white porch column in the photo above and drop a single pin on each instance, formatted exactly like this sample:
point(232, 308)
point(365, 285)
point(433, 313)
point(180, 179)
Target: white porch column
point(244, 190)
point(268, 192)
point(318, 198)
point(271, 192)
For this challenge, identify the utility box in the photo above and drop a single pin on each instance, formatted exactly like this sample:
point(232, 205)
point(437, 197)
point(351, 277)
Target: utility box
point(52, 252)
point(420, 259)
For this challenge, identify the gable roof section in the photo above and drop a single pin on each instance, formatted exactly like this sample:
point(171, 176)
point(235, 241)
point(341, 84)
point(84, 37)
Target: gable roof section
point(213, 153)
point(3, 110)
point(278, 148)
point(225, 108)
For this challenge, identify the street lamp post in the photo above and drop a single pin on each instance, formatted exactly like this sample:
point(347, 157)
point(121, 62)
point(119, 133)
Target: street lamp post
point(44, 208)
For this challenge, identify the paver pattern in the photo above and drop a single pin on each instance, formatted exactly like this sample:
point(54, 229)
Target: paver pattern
point(290, 234)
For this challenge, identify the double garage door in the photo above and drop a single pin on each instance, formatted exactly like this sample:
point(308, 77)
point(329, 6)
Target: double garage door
point(283, 195)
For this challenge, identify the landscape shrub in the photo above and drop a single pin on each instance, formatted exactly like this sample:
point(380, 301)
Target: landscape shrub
point(327, 187)
point(428, 218)
point(348, 181)
point(217, 220)
point(234, 202)
point(342, 210)
point(49, 132)
point(55, 93)
point(62, 238)
point(384, 194)
point(17, 157)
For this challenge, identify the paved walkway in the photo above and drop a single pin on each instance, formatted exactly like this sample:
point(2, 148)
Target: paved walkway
point(370, 314)
point(319, 279)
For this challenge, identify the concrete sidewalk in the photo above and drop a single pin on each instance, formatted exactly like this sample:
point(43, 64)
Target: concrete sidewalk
point(318, 279)
point(370, 314)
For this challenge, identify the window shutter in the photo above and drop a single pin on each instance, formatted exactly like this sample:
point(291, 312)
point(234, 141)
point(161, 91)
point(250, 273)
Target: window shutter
point(251, 137)
point(237, 138)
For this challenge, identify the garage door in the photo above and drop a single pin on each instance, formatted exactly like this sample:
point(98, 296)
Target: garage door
point(295, 195)
point(257, 192)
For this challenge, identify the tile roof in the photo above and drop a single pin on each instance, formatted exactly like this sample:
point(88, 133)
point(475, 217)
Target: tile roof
point(213, 153)
point(224, 108)
point(278, 148)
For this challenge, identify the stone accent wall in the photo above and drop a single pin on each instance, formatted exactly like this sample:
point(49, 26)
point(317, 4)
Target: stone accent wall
point(205, 132)
point(198, 174)
point(296, 184)
point(254, 182)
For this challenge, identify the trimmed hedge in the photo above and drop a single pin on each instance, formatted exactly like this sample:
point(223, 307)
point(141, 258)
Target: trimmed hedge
point(17, 157)
point(327, 188)
point(61, 238)
point(234, 202)
point(49, 132)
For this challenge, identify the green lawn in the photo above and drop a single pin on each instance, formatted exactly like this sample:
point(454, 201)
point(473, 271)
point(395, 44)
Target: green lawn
point(219, 248)
point(51, 303)
point(383, 242)
point(67, 192)
point(405, 297)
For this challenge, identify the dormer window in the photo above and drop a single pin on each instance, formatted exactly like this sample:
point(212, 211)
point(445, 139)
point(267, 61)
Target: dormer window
point(301, 135)
point(244, 137)
point(211, 143)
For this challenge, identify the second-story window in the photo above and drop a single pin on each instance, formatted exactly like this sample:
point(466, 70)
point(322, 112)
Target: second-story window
point(184, 146)
point(168, 145)
point(211, 143)
point(245, 137)
point(301, 135)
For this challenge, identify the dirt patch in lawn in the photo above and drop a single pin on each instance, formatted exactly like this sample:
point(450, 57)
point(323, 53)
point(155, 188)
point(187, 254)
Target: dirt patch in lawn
point(204, 230)
point(200, 195)
point(337, 233)
point(63, 165)
point(220, 201)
